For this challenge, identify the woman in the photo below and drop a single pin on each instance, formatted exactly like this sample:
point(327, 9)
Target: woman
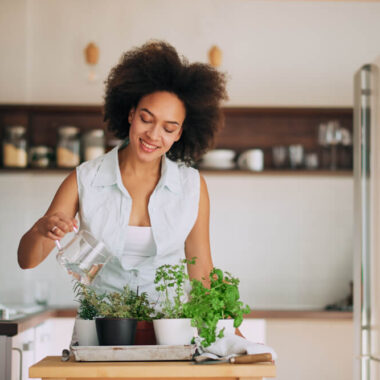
point(142, 199)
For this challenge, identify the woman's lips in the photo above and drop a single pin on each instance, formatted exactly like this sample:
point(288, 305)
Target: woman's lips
point(147, 147)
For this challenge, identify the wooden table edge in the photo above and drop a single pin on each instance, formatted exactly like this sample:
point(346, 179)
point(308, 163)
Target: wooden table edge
point(51, 366)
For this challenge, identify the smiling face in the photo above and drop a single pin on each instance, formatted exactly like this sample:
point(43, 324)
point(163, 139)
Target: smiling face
point(156, 123)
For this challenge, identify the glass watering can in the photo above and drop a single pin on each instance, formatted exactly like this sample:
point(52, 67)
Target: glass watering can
point(83, 257)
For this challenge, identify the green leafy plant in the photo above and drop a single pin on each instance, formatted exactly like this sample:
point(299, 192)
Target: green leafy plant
point(170, 281)
point(220, 301)
point(123, 304)
point(88, 301)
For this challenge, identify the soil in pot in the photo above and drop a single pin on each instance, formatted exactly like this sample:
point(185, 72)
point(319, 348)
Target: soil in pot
point(145, 333)
point(116, 331)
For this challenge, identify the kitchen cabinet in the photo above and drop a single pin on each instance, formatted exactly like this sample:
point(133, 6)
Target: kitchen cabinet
point(30, 346)
point(43, 340)
point(245, 127)
point(23, 350)
point(312, 349)
point(30, 339)
point(62, 329)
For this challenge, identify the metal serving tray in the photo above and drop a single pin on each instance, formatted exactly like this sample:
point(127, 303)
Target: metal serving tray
point(133, 353)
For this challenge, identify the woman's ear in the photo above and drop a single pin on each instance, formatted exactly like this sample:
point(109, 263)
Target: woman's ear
point(179, 135)
point(131, 115)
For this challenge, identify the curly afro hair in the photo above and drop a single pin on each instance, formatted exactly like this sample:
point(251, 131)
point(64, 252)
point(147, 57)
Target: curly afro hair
point(156, 66)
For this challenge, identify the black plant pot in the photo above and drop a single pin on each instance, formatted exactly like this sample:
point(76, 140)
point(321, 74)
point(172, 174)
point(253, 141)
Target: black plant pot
point(116, 331)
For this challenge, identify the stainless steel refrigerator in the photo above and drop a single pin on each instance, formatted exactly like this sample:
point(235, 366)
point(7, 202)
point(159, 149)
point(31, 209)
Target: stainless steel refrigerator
point(367, 222)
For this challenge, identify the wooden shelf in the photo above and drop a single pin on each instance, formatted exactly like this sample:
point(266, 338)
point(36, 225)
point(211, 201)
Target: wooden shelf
point(269, 172)
point(245, 127)
point(287, 172)
point(36, 170)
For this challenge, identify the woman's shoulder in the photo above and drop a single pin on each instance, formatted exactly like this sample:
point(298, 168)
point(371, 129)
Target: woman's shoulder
point(186, 170)
point(189, 177)
point(89, 170)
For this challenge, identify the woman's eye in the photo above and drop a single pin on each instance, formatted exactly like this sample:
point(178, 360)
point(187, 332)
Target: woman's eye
point(168, 130)
point(144, 120)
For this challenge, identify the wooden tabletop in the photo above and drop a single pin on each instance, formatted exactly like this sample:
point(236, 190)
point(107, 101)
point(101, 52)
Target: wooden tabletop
point(53, 368)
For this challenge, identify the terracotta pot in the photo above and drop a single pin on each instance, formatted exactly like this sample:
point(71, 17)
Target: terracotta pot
point(116, 331)
point(145, 333)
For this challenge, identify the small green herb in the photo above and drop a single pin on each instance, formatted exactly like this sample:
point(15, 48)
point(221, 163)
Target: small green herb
point(208, 305)
point(87, 299)
point(123, 304)
point(171, 279)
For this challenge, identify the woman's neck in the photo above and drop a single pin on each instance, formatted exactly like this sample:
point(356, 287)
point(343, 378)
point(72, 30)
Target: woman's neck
point(129, 164)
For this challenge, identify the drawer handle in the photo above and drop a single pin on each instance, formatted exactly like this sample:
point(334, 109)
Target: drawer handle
point(20, 352)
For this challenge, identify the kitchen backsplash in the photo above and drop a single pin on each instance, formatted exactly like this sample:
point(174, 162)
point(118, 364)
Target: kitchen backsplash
point(288, 238)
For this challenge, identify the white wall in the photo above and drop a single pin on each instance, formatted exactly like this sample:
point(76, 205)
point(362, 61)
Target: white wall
point(285, 53)
point(13, 47)
point(288, 238)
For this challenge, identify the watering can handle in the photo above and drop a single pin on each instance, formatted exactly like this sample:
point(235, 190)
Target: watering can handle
point(57, 242)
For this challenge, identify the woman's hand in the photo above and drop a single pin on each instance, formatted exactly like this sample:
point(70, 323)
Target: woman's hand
point(38, 242)
point(56, 226)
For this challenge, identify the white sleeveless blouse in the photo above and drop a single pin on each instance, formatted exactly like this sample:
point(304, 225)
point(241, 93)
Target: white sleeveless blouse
point(104, 210)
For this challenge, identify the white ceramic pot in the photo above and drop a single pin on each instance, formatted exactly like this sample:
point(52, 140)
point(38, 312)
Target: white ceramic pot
point(174, 331)
point(85, 332)
point(228, 325)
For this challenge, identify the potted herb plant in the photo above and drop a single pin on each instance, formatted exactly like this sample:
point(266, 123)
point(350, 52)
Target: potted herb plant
point(213, 308)
point(84, 328)
point(118, 313)
point(172, 325)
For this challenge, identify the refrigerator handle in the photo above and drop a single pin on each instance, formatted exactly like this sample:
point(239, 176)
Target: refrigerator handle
point(369, 357)
point(363, 178)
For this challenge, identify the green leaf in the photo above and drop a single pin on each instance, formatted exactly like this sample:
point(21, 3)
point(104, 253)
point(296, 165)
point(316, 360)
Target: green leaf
point(207, 305)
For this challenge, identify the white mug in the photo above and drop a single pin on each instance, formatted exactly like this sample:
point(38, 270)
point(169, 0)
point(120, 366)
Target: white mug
point(252, 159)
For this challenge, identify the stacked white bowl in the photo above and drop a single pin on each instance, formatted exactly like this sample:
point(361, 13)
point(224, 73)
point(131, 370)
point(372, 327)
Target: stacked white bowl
point(218, 159)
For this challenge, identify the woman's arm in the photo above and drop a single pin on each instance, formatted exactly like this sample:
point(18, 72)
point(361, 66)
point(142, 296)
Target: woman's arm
point(38, 242)
point(198, 241)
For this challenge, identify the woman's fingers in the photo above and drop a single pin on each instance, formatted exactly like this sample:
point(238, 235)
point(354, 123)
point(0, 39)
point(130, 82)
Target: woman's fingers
point(52, 236)
point(59, 230)
point(68, 223)
point(56, 226)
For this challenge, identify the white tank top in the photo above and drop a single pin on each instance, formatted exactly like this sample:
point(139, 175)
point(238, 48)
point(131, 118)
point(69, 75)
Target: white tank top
point(104, 210)
point(140, 246)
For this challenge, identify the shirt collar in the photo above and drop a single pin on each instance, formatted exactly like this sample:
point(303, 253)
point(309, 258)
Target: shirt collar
point(170, 176)
point(108, 168)
point(108, 173)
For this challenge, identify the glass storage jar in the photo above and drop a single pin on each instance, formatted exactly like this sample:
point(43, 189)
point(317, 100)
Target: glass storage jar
point(68, 147)
point(40, 156)
point(15, 147)
point(93, 144)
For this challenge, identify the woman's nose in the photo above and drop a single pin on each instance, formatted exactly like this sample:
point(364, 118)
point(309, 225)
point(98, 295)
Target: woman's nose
point(154, 132)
